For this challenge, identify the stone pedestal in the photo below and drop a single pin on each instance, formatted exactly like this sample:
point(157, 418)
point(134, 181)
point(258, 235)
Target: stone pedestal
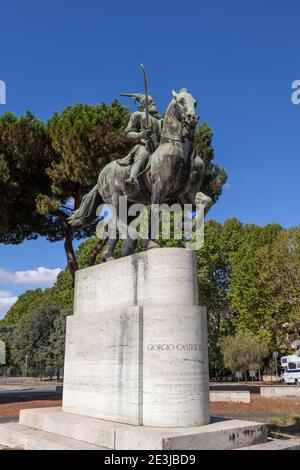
point(136, 346)
point(136, 366)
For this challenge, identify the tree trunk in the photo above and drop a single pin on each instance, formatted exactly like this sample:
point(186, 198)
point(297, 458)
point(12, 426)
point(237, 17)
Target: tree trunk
point(77, 196)
point(68, 245)
point(70, 253)
point(95, 251)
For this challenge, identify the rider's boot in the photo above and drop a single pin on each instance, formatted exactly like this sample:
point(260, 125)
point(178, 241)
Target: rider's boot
point(132, 185)
point(132, 182)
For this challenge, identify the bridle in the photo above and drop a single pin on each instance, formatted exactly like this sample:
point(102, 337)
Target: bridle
point(183, 118)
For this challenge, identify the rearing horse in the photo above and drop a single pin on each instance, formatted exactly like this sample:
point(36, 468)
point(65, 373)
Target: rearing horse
point(174, 173)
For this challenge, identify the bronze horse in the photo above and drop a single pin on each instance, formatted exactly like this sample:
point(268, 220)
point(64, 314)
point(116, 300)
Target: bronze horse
point(174, 173)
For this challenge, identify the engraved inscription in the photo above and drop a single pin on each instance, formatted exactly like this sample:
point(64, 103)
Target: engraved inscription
point(168, 347)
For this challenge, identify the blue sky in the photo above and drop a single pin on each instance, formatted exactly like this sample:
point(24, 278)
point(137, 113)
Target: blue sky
point(238, 58)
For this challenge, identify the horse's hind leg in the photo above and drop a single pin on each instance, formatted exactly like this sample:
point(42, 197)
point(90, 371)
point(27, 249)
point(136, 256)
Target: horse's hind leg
point(120, 228)
point(129, 244)
point(113, 232)
point(109, 253)
point(156, 198)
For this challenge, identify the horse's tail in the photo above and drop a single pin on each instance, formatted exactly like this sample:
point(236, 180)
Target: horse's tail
point(86, 213)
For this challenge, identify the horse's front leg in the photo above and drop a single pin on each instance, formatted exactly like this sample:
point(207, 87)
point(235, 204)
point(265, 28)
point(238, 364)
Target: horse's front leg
point(153, 233)
point(202, 198)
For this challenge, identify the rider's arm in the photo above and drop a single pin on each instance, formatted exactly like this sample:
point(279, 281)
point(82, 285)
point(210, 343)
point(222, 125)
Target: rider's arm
point(132, 131)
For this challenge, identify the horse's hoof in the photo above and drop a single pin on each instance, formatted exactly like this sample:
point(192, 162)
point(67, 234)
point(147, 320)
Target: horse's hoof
point(110, 258)
point(152, 245)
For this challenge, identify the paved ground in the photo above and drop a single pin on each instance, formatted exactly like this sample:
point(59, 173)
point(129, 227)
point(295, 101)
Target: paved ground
point(19, 391)
point(8, 419)
point(281, 414)
point(28, 381)
point(284, 412)
point(253, 387)
point(258, 404)
point(12, 402)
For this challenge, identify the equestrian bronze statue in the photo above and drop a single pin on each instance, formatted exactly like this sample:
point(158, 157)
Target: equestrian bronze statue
point(162, 166)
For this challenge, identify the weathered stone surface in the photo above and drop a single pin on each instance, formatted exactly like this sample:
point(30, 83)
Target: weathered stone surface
point(230, 395)
point(280, 391)
point(139, 356)
point(275, 444)
point(17, 436)
point(175, 367)
point(53, 420)
point(161, 276)
point(103, 374)
point(222, 434)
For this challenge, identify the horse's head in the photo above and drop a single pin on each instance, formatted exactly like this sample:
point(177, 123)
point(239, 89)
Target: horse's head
point(185, 106)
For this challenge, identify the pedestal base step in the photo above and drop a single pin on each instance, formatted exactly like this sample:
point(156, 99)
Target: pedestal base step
point(219, 435)
point(17, 436)
point(275, 444)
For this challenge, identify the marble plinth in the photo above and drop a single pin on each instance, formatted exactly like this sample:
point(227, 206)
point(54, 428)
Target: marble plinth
point(220, 434)
point(136, 346)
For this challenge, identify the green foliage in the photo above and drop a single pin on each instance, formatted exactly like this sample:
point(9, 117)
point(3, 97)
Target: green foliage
point(25, 154)
point(24, 306)
point(214, 268)
point(279, 279)
point(84, 250)
point(56, 349)
point(32, 337)
point(216, 176)
point(61, 294)
point(44, 166)
point(246, 293)
point(243, 352)
point(62, 291)
point(85, 138)
point(248, 279)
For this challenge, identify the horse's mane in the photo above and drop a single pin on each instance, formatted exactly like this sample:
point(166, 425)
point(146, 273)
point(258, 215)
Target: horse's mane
point(168, 117)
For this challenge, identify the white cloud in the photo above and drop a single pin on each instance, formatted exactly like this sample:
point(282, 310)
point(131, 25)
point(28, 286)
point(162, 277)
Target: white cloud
point(38, 276)
point(227, 186)
point(7, 299)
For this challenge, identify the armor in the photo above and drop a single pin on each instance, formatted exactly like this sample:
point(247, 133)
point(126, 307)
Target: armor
point(146, 139)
